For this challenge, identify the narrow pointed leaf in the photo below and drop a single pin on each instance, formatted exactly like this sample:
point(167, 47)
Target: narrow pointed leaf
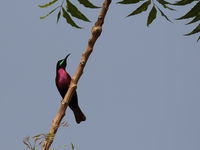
point(87, 4)
point(164, 4)
point(192, 13)
point(152, 16)
point(58, 16)
point(73, 10)
point(162, 13)
point(49, 4)
point(36, 136)
point(141, 8)
point(196, 30)
point(69, 19)
point(129, 2)
point(197, 18)
point(183, 2)
point(43, 17)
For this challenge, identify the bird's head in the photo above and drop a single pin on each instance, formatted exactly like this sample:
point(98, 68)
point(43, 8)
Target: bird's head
point(62, 63)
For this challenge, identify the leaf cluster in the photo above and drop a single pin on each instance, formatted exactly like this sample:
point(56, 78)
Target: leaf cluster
point(155, 7)
point(193, 13)
point(68, 11)
point(39, 139)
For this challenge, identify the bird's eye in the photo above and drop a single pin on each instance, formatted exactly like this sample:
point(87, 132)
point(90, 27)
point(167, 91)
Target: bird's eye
point(61, 62)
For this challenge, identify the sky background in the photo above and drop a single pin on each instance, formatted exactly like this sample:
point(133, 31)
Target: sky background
point(139, 90)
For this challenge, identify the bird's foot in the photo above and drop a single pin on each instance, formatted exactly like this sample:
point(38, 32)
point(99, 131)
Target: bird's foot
point(62, 102)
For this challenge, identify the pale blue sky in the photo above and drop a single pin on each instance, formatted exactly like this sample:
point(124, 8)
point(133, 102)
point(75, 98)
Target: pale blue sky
point(139, 90)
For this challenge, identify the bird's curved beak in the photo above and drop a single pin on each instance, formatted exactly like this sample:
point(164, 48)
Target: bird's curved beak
point(67, 57)
point(64, 61)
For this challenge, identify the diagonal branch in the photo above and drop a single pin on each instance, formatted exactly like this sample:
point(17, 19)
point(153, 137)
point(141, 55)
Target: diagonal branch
point(96, 32)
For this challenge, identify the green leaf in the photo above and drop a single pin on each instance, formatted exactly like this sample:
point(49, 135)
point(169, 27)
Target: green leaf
point(152, 16)
point(58, 16)
point(141, 8)
point(43, 17)
point(88, 4)
point(196, 30)
point(164, 4)
point(192, 13)
point(197, 18)
point(49, 4)
point(162, 13)
point(75, 12)
point(69, 19)
point(183, 2)
point(129, 2)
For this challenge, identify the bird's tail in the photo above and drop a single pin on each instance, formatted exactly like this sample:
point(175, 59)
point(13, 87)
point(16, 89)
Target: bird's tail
point(79, 116)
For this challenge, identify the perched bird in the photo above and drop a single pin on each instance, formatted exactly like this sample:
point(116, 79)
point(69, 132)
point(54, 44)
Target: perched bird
point(62, 82)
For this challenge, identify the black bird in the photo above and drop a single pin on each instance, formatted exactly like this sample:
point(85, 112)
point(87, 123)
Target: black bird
point(62, 82)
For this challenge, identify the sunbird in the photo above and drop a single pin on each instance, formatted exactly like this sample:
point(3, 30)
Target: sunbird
point(62, 82)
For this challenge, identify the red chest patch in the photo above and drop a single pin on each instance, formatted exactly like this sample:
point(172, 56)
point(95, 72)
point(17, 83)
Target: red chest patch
point(63, 79)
